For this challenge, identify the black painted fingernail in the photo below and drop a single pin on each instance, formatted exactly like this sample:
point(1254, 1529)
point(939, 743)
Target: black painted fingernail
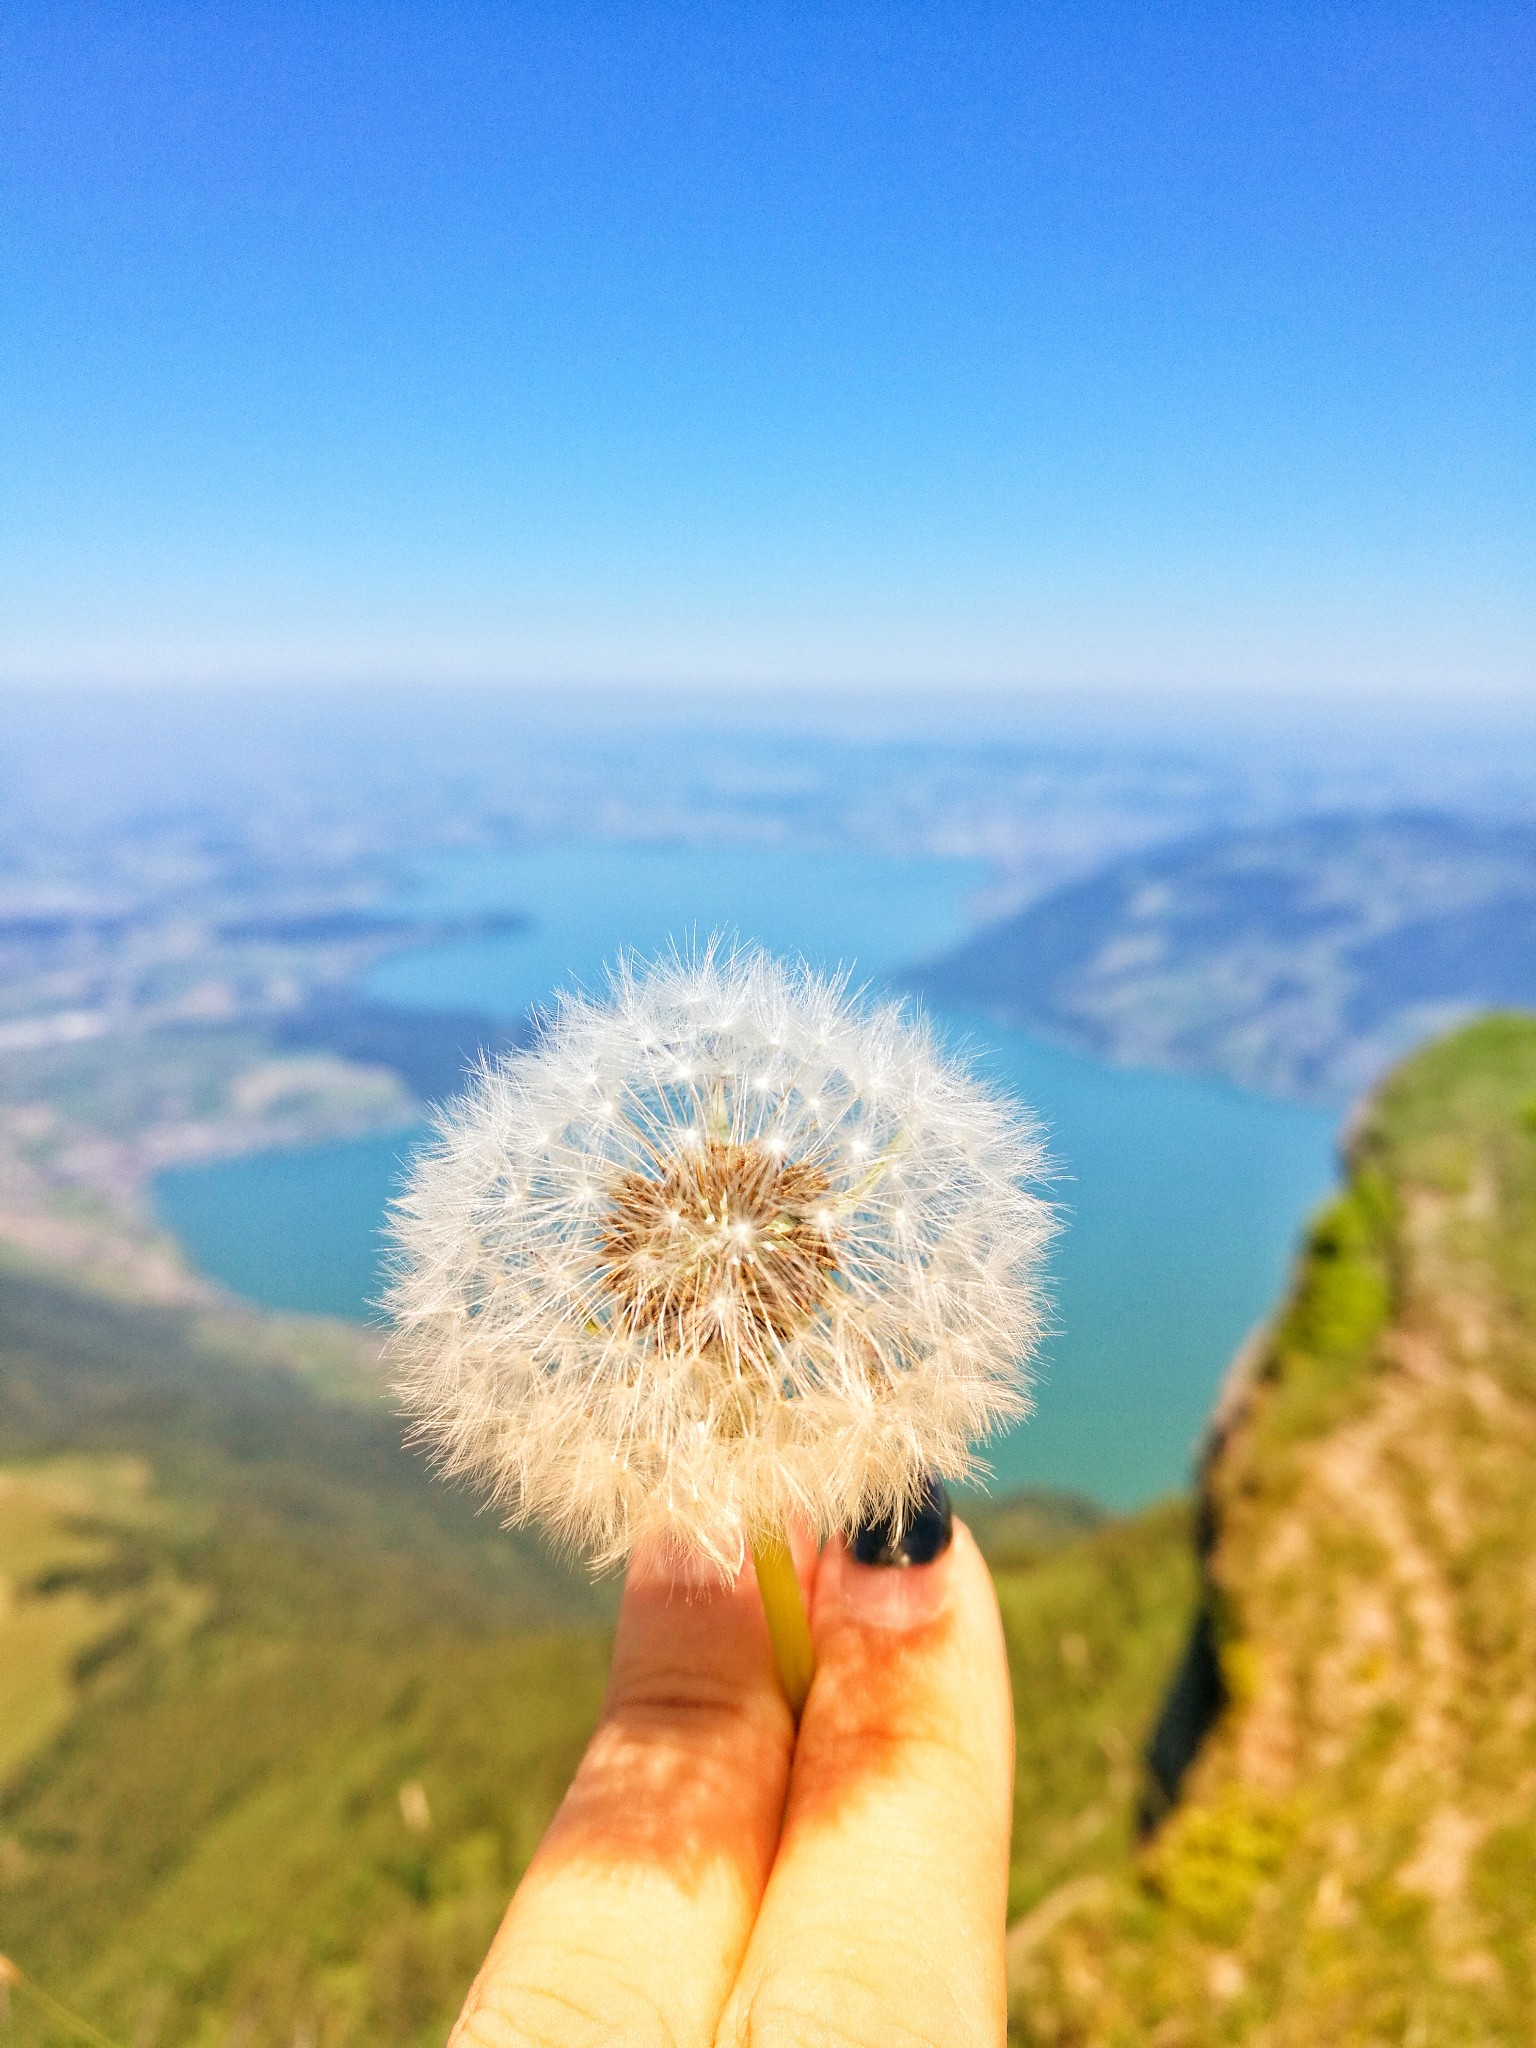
point(926, 1535)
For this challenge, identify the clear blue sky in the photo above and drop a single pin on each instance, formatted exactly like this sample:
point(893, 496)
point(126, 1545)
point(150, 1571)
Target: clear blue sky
point(1029, 343)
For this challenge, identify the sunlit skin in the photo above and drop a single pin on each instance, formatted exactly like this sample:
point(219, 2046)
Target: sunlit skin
point(710, 1878)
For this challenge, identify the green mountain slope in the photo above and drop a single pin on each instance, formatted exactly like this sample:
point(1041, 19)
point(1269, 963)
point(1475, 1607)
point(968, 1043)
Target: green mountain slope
point(281, 1719)
point(1351, 1857)
point(239, 1620)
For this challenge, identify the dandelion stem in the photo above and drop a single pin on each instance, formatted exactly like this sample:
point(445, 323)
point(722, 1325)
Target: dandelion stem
point(788, 1629)
point(12, 1977)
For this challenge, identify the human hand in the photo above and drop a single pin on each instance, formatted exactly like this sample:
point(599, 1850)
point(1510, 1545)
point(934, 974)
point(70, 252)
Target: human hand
point(713, 1879)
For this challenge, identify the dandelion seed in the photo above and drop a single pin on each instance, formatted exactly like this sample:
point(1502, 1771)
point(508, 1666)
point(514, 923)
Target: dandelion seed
point(775, 1315)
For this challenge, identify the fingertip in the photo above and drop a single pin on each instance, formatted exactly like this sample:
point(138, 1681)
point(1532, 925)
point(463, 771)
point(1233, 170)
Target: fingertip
point(903, 1581)
point(905, 1653)
point(687, 1631)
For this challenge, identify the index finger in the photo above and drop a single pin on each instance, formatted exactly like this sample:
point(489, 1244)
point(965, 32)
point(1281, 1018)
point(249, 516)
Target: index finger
point(632, 1918)
point(884, 1919)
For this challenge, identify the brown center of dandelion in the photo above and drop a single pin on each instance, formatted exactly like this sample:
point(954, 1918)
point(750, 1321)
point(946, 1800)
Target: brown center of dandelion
point(729, 1248)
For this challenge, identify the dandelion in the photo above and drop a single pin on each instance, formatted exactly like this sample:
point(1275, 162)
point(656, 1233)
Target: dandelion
point(725, 1251)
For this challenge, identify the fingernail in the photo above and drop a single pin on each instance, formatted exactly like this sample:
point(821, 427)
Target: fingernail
point(926, 1535)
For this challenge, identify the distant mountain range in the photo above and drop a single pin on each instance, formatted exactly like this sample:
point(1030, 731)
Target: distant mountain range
point(1300, 960)
point(431, 1050)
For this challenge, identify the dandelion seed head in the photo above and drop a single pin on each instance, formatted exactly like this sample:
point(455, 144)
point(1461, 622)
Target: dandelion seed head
point(755, 1286)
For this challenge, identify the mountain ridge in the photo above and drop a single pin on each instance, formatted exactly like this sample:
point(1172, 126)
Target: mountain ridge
point(1300, 959)
point(1342, 1833)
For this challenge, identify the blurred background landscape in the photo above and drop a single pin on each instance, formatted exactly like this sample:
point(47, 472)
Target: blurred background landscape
point(250, 938)
point(1033, 508)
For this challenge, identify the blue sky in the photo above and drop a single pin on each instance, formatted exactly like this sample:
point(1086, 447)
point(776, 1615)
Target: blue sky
point(1047, 345)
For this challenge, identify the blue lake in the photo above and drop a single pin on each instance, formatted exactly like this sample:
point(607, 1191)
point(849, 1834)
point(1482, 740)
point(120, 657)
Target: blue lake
point(1182, 1198)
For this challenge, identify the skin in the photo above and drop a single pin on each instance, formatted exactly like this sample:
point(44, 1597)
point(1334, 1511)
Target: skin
point(710, 1879)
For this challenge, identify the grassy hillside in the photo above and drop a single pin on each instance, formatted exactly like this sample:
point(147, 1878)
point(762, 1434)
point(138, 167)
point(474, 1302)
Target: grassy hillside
point(238, 1621)
point(1352, 1855)
point(281, 1720)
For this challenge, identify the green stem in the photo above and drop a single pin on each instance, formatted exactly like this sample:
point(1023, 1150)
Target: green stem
point(788, 1629)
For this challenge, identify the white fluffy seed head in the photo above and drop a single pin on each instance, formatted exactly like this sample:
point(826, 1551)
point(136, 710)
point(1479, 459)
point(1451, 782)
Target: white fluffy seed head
point(725, 1249)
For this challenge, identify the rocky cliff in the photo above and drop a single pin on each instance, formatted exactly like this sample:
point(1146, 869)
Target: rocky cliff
point(1340, 1820)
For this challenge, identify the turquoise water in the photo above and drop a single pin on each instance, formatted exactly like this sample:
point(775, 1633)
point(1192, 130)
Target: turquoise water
point(859, 910)
point(1181, 1198)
